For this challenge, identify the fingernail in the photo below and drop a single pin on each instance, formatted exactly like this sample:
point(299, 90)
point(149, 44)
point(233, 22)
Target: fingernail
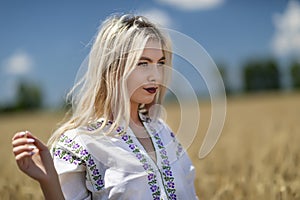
point(31, 153)
point(21, 134)
point(30, 140)
point(32, 147)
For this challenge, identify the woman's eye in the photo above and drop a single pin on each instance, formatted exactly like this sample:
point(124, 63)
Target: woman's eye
point(161, 63)
point(143, 64)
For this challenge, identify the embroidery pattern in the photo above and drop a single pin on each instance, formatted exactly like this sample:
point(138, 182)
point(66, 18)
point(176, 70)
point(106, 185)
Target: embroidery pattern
point(97, 124)
point(152, 178)
point(152, 182)
point(86, 159)
point(166, 168)
point(179, 146)
point(79, 156)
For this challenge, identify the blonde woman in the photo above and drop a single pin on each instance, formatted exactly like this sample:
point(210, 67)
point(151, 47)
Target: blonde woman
point(114, 146)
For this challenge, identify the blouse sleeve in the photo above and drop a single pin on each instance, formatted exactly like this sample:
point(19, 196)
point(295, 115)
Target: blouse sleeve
point(189, 171)
point(69, 161)
point(71, 172)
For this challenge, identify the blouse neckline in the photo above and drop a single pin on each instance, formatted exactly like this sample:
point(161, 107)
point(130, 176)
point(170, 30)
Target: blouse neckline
point(141, 147)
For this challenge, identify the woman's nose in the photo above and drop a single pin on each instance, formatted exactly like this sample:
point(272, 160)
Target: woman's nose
point(155, 74)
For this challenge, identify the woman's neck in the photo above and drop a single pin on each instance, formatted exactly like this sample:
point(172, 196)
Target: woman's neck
point(135, 123)
point(134, 116)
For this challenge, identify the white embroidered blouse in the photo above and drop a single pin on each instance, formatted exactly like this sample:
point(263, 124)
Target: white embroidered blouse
point(116, 166)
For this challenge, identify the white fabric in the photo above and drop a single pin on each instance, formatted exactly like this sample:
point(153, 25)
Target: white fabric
point(96, 166)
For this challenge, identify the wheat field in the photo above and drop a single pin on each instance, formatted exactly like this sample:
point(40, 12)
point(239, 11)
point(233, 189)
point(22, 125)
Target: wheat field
point(257, 156)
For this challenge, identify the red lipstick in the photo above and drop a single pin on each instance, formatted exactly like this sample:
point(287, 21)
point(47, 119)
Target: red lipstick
point(151, 90)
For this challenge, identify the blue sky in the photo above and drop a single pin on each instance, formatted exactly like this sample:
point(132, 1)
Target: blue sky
point(46, 41)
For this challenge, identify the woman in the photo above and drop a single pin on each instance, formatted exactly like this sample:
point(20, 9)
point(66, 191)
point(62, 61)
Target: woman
point(115, 146)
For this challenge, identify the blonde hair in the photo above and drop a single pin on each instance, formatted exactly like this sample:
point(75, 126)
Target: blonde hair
point(116, 50)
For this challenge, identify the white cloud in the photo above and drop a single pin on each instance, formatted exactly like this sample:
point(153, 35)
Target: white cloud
point(193, 4)
point(158, 16)
point(286, 40)
point(19, 63)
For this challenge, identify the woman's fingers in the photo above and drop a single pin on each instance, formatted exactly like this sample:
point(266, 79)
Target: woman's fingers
point(19, 135)
point(23, 155)
point(22, 141)
point(39, 144)
point(23, 134)
point(20, 149)
point(23, 145)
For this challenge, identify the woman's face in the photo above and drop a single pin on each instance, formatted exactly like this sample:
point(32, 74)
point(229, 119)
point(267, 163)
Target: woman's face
point(144, 81)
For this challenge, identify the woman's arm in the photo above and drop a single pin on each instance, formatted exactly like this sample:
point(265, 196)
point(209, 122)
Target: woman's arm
point(34, 159)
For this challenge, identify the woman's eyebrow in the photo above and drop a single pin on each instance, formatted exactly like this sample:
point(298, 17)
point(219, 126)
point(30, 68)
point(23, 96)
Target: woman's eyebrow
point(162, 58)
point(150, 60)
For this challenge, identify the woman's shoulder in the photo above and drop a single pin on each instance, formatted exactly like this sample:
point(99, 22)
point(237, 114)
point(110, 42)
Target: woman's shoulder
point(94, 131)
point(75, 136)
point(92, 128)
point(69, 140)
point(74, 143)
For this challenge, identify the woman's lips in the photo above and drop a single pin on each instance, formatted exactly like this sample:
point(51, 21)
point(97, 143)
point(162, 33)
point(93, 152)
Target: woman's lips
point(151, 90)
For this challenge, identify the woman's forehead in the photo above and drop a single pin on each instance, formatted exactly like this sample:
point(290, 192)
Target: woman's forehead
point(153, 50)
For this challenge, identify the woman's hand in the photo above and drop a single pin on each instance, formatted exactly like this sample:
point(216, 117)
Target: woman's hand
point(34, 159)
point(32, 156)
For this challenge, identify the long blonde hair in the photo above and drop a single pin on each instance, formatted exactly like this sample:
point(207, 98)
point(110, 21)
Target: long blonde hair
point(102, 91)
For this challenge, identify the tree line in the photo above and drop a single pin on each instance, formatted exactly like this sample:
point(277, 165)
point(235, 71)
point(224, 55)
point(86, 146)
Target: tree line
point(264, 75)
point(29, 96)
point(258, 75)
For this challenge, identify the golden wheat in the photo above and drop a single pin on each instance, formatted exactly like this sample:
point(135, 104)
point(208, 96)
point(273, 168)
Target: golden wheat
point(257, 156)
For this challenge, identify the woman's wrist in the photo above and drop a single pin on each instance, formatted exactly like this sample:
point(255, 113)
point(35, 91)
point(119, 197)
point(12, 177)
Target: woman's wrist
point(51, 187)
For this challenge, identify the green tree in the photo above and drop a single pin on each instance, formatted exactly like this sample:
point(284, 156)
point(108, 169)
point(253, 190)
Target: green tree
point(29, 96)
point(223, 72)
point(261, 75)
point(295, 74)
